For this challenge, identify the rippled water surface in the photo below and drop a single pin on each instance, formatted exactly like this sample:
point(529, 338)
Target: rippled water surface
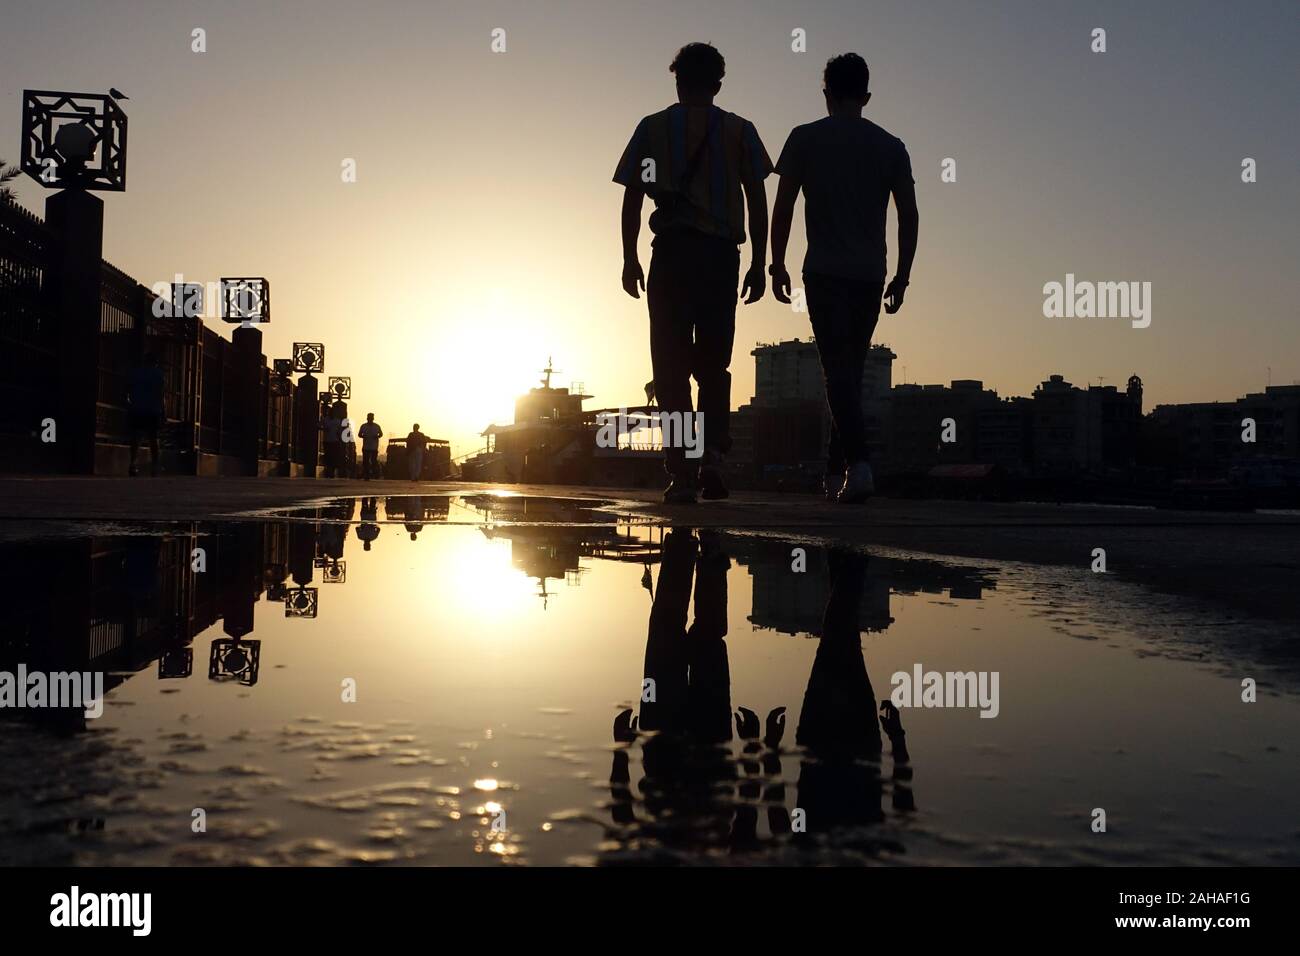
point(547, 682)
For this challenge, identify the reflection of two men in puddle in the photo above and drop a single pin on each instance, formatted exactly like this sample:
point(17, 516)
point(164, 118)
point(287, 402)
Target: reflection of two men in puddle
point(693, 790)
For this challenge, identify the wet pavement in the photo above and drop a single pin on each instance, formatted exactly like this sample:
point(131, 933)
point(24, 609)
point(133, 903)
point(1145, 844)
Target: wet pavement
point(467, 678)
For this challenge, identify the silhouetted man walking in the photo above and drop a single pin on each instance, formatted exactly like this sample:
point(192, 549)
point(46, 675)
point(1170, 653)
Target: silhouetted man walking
point(847, 167)
point(370, 434)
point(332, 426)
point(695, 160)
point(415, 443)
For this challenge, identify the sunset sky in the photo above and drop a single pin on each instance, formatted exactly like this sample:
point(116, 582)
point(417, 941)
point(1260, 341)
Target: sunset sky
point(481, 235)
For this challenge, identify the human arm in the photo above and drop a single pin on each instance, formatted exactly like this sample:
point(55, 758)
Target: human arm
point(782, 217)
point(633, 277)
point(756, 278)
point(909, 223)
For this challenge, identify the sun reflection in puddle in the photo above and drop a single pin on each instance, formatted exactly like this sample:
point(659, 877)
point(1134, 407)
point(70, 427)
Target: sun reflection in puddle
point(507, 692)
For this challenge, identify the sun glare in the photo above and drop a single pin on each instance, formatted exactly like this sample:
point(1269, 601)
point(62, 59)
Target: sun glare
point(497, 355)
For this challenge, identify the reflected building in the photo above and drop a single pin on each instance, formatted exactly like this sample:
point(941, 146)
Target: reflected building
point(115, 604)
point(795, 603)
point(555, 551)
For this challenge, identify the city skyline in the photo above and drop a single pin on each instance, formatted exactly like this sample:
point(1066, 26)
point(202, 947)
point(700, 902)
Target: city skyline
point(499, 435)
point(447, 269)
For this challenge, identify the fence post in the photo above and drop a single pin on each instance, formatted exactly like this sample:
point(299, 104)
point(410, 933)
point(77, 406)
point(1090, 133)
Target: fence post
point(77, 220)
point(306, 424)
point(246, 400)
point(287, 432)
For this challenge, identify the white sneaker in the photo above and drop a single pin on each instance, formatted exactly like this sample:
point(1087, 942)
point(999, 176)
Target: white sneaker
point(858, 486)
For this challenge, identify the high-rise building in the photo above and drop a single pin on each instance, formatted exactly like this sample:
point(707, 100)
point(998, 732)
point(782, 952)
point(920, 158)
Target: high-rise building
point(1209, 437)
point(936, 424)
point(791, 371)
point(790, 422)
point(1067, 427)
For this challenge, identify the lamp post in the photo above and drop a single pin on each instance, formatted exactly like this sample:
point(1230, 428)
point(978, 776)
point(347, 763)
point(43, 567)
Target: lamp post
point(248, 302)
point(75, 143)
point(308, 358)
point(340, 386)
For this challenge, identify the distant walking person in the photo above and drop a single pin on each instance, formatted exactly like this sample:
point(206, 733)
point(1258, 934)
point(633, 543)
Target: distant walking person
point(695, 161)
point(415, 443)
point(144, 398)
point(370, 434)
point(332, 426)
point(847, 167)
point(349, 450)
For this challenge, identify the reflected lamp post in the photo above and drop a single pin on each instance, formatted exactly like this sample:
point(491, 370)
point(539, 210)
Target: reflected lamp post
point(301, 602)
point(232, 659)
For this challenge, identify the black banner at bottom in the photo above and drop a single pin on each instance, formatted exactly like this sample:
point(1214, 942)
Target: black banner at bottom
point(128, 905)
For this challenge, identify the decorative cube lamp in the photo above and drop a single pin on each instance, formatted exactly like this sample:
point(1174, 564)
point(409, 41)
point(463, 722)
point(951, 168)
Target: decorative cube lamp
point(308, 357)
point(187, 300)
point(231, 660)
point(340, 386)
point(300, 602)
point(74, 140)
point(281, 369)
point(246, 300)
point(176, 663)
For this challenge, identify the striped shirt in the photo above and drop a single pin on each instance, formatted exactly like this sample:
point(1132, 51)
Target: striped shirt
point(733, 157)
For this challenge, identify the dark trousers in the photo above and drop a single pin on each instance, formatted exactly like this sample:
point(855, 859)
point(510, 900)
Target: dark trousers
point(333, 458)
point(689, 666)
point(844, 313)
point(691, 292)
point(146, 426)
point(369, 463)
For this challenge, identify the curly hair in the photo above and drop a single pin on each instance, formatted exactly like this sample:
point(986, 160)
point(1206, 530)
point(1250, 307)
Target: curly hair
point(699, 66)
point(847, 77)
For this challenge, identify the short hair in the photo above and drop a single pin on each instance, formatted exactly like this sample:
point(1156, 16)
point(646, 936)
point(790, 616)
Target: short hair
point(370, 416)
point(698, 66)
point(847, 77)
point(415, 427)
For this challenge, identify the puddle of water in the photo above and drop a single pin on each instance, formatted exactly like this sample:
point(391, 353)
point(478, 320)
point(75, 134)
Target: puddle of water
point(499, 651)
point(487, 508)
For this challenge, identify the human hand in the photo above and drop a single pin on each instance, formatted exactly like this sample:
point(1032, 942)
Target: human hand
point(633, 278)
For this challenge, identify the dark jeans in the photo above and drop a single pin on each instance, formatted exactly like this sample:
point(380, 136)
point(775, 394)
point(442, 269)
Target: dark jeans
point(333, 458)
point(145, 425)
point(844, 313)
point(689, 665)
point(691, 292)
point(369, 463)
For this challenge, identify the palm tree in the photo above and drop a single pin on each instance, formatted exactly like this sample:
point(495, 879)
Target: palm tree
point(7, 174)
